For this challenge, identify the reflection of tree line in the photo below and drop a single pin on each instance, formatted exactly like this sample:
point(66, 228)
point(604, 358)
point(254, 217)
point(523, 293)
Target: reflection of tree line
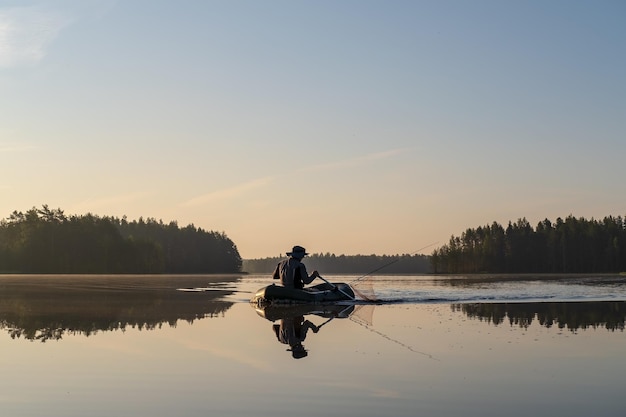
point(573, 316)
point(48, 312)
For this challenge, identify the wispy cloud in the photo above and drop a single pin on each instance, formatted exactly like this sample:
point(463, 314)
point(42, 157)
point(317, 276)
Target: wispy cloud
point(6, 148)
point(240, 189)
point(358, 160)
point(231, 355)
point(26, 32)
point(228, 193)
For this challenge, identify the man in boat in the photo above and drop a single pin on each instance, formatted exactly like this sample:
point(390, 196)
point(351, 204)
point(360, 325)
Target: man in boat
point(291, 272)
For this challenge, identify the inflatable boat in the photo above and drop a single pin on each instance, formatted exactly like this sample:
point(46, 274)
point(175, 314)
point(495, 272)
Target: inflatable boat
point(321, 293)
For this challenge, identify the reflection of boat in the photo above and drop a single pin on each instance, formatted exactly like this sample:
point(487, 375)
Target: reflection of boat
point(320, 293)
point(291, 325)
point(274, 312)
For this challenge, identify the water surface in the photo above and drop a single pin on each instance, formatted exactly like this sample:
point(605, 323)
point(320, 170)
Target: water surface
point(435, 346)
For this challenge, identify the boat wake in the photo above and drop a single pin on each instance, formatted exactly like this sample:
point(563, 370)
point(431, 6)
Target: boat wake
point(446, 298)
point(491, 289)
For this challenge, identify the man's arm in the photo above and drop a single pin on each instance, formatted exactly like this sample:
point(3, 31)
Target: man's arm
point(305, 276)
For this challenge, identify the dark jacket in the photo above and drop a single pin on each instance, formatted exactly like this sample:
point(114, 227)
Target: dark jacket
point(292, 273)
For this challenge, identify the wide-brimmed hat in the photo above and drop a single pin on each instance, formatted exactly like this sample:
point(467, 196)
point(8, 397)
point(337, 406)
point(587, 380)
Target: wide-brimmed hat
point(298, 252)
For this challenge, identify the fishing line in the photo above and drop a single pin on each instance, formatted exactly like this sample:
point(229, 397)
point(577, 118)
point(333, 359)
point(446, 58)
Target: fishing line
point(389, 263)
point(384, 336)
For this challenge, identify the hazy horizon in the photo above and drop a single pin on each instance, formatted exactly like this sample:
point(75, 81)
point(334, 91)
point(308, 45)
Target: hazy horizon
point(351, 127)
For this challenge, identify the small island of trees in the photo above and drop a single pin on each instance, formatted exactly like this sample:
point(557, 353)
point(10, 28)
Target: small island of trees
point(48, 241)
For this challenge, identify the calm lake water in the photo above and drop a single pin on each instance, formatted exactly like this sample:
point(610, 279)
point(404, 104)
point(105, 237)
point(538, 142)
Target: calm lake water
point(195, 346)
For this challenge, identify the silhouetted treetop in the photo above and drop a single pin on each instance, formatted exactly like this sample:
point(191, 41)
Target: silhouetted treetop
point(349, 264)
point(48, 241)
point(573, 245)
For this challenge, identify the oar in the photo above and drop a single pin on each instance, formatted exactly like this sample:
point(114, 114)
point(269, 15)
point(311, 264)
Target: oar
point(332, 317)
point(334, 286)
point(327, 321)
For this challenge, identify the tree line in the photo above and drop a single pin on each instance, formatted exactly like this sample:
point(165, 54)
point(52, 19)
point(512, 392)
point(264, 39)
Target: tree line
point(348, 264)
point(573, 245)
point(44, 240)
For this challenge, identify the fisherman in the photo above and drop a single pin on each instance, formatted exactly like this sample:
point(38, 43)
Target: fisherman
point(291, 272)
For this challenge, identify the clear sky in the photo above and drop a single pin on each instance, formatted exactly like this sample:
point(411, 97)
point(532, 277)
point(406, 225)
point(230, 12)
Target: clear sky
point(345, 126)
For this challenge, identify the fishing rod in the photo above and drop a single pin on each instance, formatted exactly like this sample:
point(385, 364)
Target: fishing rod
point(336, 287)
point(389, 263)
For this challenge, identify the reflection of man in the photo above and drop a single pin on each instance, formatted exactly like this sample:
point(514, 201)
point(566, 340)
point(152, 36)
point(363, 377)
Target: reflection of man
point(292, 331)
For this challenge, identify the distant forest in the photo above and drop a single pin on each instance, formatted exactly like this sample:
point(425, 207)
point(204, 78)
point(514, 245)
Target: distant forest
point(47, 241)
point(573, 245)
point(44, 240)
point(348, 264)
